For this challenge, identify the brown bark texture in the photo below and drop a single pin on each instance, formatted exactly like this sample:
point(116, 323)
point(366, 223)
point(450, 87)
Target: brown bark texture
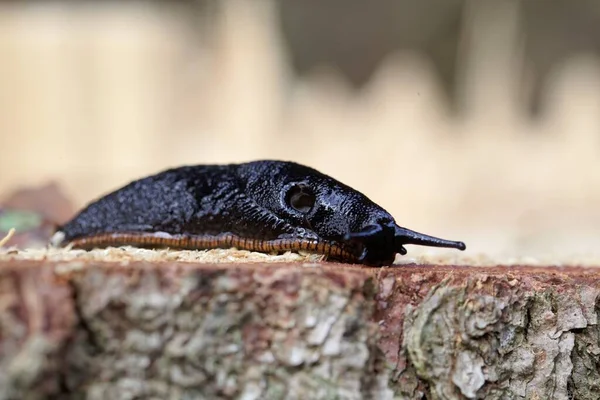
point(297, 331)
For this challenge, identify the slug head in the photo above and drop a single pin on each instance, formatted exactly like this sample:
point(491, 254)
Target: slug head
point(320, 207)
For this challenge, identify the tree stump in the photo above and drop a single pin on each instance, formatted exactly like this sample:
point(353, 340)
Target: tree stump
point(297, 331)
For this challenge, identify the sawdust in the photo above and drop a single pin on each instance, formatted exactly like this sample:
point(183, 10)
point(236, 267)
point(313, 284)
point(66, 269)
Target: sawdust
point(418, 256)
point(128, 253)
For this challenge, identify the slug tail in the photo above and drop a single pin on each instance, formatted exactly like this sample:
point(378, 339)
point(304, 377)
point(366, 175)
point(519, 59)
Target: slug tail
point(58, 239)
point(406, 236)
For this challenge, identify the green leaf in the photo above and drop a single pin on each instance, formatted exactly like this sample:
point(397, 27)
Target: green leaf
point(20, 220)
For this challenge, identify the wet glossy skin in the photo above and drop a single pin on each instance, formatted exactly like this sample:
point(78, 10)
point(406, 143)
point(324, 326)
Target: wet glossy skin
point(263, 200)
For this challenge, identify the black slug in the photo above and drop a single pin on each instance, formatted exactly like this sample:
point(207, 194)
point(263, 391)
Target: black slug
point(266, 206)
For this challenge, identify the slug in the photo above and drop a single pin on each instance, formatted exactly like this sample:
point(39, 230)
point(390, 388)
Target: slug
point(265, 206)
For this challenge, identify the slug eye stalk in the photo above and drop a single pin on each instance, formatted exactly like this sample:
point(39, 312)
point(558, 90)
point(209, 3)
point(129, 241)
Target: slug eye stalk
point(380, 242)
point(406, 236)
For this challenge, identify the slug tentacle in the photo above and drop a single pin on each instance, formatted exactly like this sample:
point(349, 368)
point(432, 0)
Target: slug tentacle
point(406, 236)
point(268, 206)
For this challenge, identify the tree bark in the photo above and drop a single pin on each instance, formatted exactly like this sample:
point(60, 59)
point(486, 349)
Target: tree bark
point(297, 331)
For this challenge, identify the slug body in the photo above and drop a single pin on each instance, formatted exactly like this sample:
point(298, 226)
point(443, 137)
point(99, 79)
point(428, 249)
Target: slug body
point(267, 206)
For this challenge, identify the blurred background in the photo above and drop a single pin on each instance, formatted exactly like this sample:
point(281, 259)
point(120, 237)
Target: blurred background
point(473, 120)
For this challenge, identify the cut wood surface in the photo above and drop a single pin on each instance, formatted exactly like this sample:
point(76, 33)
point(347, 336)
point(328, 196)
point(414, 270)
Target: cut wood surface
point(302, 330)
